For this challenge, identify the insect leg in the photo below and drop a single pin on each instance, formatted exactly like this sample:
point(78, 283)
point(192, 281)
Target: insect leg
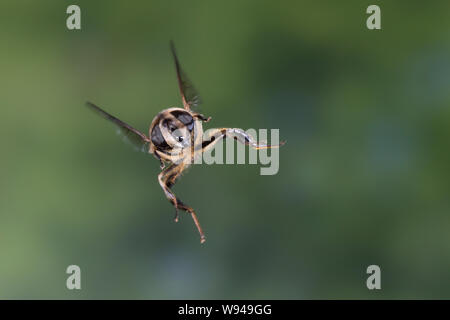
point(240, 135)
point(161, 161)
point(201, 117)
point(162, 179)
point(186, 208)
point(167, 179)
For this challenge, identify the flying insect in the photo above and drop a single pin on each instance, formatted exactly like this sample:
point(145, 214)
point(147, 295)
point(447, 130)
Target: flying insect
point(176, 139)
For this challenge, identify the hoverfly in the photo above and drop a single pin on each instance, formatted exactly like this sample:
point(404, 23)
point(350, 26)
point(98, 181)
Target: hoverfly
point(176, 137)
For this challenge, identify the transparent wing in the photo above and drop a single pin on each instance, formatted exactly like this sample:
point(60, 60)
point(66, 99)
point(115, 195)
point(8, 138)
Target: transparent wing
point(129, 134)
point(189, 94)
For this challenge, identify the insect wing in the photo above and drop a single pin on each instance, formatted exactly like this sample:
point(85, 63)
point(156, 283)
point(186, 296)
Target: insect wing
point(189, 94)
point(129, 134)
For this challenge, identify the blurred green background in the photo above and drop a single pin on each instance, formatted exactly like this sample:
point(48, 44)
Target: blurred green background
point(364, 177)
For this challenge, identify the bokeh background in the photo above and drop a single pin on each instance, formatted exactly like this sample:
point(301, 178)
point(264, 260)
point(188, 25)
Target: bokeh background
point(364, 177)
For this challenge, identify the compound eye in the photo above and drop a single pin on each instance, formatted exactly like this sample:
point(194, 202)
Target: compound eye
point(170, 125)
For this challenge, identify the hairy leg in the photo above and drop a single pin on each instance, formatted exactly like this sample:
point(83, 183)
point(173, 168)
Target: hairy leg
point(240, 135)
point(167, 179)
